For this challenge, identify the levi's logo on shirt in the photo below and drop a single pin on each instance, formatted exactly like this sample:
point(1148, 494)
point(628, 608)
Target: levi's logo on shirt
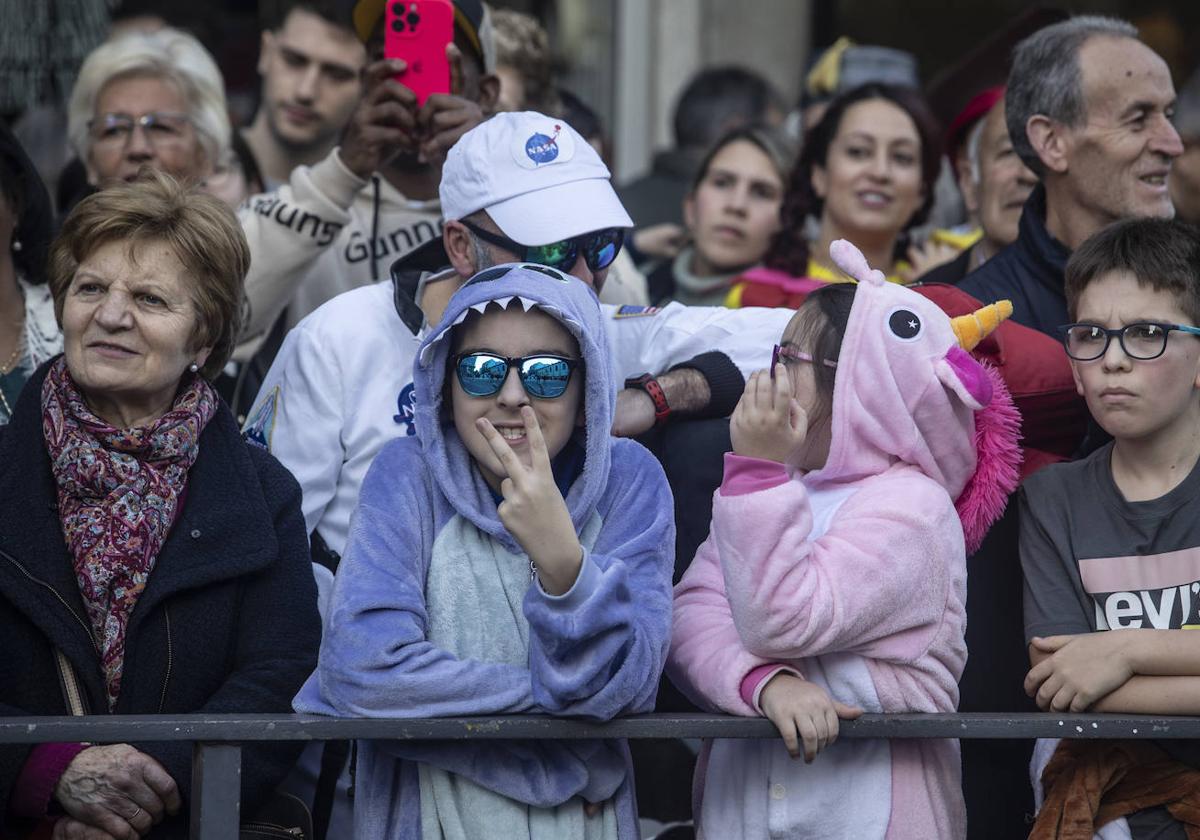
point(1157, 591)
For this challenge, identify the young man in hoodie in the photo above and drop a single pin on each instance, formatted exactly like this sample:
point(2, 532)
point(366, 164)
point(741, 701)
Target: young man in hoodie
point(311, 63)
point(511, 558)
point(336, 225)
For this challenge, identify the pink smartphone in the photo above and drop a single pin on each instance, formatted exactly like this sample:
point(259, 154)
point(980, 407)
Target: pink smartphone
point(418, 32)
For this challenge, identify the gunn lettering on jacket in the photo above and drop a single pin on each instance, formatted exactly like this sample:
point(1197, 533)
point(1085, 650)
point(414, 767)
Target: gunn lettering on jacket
point(398, 242)
point(292, 217)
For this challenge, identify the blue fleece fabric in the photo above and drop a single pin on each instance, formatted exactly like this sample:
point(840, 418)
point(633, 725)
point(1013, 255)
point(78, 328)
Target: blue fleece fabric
point(595, 652)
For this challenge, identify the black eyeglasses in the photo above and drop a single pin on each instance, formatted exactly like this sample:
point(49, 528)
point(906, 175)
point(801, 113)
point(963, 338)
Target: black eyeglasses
point(599, 248)
point(1142, 341)
point(544, 376)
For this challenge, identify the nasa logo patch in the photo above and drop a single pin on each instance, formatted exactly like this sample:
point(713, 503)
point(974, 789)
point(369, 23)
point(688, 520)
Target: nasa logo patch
point(545, 146)
point(406, 408)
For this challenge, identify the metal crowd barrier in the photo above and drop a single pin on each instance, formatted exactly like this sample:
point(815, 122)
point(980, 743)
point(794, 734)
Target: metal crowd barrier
point(217, 752)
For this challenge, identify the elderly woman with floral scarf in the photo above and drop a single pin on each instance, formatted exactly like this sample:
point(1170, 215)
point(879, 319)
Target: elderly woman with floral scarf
point(149, 557)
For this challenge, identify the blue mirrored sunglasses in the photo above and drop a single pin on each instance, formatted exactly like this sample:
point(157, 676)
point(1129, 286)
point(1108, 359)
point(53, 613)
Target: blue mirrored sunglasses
point(543, 377)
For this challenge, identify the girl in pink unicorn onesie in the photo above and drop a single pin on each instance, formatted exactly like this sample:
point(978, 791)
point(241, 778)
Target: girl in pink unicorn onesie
point(834, 578)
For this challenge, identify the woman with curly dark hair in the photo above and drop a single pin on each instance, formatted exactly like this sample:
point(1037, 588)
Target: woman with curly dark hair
point(866, 173)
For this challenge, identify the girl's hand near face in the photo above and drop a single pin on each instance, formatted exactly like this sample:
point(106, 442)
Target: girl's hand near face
point(533, 509)
point(768, 422)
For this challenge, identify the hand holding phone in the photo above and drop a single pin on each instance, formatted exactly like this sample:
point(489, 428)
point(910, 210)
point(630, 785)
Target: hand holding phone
point(418, 32)
point(384, 122)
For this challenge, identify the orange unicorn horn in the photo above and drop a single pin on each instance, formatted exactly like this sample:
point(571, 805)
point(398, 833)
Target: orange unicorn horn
point(975, 326)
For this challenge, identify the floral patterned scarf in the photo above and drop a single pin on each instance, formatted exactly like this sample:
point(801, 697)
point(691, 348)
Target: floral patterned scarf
point(118, 493)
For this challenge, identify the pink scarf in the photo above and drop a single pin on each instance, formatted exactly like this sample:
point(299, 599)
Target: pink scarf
point(118, 494)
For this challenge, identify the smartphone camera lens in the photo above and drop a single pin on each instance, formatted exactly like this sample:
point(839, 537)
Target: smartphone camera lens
point(398, 9)
point(413, 18)
point(398, 25)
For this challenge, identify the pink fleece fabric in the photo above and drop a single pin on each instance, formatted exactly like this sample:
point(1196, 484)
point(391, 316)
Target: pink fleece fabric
point(864, 557)
point(30, 797)
point(749, 475)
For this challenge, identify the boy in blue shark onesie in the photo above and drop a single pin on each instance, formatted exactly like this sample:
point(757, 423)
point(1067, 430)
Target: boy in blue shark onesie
point(511, 558)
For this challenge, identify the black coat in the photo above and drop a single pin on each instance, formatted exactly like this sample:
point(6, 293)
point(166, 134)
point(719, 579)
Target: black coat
point(228, 621)
point(1029, 272)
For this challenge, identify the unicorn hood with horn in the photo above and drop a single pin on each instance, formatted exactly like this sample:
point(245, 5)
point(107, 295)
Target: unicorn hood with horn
point(908, 390)
point(852, 577)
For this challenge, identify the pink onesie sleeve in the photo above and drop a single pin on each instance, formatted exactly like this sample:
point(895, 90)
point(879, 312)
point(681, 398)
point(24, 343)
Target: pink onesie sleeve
point(35, 784)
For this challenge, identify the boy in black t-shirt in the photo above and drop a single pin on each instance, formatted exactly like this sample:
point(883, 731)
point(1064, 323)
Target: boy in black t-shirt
point(1112, 542)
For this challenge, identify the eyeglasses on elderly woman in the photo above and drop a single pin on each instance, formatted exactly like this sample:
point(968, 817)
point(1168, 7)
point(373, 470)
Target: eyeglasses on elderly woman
point(161, 129)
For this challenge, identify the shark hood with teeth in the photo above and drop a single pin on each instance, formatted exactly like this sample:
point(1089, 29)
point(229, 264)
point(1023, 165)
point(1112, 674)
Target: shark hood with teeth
point(574, 305)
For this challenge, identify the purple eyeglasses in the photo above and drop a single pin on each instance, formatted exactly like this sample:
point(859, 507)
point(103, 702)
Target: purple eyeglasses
point(789, 352)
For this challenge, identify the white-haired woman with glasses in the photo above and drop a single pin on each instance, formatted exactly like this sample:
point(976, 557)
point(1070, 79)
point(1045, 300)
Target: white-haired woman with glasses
point(149, 99)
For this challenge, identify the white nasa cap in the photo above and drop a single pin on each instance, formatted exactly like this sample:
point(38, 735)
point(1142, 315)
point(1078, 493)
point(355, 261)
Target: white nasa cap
point(538, 179)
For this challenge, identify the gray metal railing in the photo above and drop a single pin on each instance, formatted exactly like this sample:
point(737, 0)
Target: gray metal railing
point(217, 754)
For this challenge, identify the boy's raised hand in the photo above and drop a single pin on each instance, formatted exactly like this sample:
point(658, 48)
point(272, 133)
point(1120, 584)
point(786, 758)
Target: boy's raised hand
point(800, 708)
point(1076, 671)
point(533, 509)
point(768, 422)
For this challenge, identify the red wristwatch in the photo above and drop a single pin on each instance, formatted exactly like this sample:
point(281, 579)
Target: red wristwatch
point(646, 382)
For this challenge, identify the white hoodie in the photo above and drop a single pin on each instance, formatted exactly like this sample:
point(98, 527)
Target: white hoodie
point(310, 240)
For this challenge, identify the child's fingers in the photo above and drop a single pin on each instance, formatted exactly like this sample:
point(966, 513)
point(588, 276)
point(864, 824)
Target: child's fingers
point(1037, 675)
point(752, 388)
point(765, 394)
point(782, 394)
point(1063, 699)
point(832, 725)
point(540, 459)
point(1048, 691)
point(500, 447)
point(810, 737)
point(1049, 644)
point(847, 712)
point(787, 730)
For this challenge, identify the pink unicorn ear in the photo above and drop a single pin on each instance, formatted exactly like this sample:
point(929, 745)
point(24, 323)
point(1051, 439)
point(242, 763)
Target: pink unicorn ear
point(850, 260)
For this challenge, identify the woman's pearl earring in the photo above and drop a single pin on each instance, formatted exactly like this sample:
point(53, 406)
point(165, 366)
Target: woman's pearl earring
point(193, 367)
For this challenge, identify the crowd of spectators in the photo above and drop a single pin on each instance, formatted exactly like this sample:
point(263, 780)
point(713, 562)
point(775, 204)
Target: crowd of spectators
point(380, 405)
